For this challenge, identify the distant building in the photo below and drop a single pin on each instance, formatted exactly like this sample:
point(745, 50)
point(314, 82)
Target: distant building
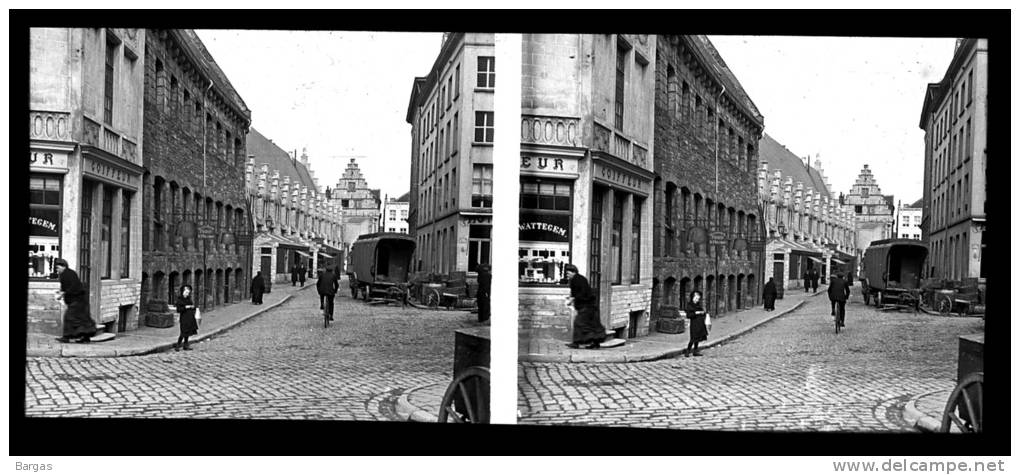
point(295, 223)
point(451, 115)
point(873, 211)
point(954, 118)
point(359, 203)
point(197, 224)
point(394, 215)
point(587, 168)
point(85, 189)
point(807, 228)
point(701, 110)
point(908, 221)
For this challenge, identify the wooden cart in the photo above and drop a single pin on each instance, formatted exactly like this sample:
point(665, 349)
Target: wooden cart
point(892, 273)
point(377, 266)
point(965, 407)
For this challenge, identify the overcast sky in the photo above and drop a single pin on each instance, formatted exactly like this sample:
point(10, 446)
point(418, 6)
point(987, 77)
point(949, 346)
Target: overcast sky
point(854, 101)
point(850, 100)
point(337, 93)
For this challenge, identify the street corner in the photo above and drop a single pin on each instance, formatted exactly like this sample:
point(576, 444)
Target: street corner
point(597, 356)
point(924, 412)
point(416, 404)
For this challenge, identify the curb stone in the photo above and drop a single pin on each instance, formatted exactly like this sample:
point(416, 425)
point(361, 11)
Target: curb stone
point(411, 413)
point(918, 419)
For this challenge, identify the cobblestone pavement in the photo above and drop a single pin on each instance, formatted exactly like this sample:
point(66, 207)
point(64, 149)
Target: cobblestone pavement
point(280, 365)
point(792, 374)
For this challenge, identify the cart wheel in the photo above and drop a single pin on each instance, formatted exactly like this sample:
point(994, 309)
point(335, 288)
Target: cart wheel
point(943, 304)
point(961, 402)
point(471, 388)
point(394, 293)
point(432, 298)
point(878, 298)
point(365, 292)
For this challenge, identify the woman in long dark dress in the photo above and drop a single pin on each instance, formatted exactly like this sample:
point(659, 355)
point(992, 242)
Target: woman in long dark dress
point(588, 330)
point(696, 313)
point(769, 294)
point(189, 326)
point(77, 321)
point(258, 286)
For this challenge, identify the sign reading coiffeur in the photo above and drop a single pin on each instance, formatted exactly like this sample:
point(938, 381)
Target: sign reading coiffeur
point(47, 160)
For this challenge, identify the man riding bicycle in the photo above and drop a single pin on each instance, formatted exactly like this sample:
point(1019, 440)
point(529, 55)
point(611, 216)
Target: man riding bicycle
point(839, 292)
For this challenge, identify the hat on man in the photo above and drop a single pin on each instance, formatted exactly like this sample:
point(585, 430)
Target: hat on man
point(570, 268)
point(60, 262)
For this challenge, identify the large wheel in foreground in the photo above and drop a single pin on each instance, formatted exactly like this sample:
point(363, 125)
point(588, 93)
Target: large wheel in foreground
point(467, 397)
point(965, 409)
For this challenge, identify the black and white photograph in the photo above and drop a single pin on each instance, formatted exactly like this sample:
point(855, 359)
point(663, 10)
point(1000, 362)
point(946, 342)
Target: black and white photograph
point(259, 224)
point(753, 233)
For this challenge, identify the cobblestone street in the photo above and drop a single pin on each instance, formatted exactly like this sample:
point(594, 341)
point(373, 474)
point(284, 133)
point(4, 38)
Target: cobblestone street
point(280, 365)
point(793, 373)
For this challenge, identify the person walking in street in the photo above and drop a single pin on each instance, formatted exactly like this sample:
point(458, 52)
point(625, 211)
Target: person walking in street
point(189, 325)
point(322, 296)
point(293, 275)
point(258, 286)
point(814, 281)
point(588, 330)
point(769, 294)
point(327, 287)
point(807, 281)
point(78, 324)
point(838, 293)
point(301, 274)
point(484, 292)
point(696, 314)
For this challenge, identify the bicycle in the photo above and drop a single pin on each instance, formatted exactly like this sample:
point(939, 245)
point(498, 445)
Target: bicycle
point(840, 316)
point(325, 317)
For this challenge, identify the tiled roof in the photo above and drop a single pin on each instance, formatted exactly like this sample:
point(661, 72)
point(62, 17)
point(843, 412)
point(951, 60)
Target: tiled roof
point(716, 64)
point(265, 151)
point(404, 198)
point(219, 78)
point(781, 158)
point(917, 204)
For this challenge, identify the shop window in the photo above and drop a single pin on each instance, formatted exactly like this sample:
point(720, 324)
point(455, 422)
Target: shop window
point(481, 186)
point(479, 246)
point(125, 235)
point(43, 225)
point(106, 233)
point(544, 230)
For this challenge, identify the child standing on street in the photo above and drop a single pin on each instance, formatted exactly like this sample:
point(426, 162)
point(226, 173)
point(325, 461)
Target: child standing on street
point(189, 325)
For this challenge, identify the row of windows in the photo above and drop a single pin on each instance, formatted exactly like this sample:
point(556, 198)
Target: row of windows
point(960, 150)
point(698, 113)
point(950, 257)
point(450, 92)
point(184, 206)
point(952, 203)
point(960, 102)
point(437, 250)
point(449, 142)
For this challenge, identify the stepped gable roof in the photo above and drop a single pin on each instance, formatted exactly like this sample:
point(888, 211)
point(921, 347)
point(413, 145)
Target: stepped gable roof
point(781, 158)
point(265, 151)
point(191, 42)
point(715, 62)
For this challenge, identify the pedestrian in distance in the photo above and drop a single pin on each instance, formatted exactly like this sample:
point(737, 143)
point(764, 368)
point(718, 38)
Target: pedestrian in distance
point(293, 275)
point(696, 313)
point(189, 325)
point(258, 287)
point(588, 330)
point(327, 287)
point(77, 324)
point(769, 294)
point(484, 292)
point(322, 296)
point(301, 274)
point(807, 281)
point(814, 281)
point(838, 293)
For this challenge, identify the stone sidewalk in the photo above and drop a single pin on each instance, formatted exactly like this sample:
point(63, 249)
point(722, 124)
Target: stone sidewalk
point(145, 339)
point(655, 345)
point(924, 412)
point(421, 404)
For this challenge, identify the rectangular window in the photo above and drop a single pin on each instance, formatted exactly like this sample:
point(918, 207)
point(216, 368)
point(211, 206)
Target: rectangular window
point(449, 92)
point(697, 117)
point(111, 55)
point(447, 140)
point(44, 220)
point(544, 230)
point(456, 87)
point(486, 72)
point(616, 239)
point(479, 245)
point(685, 102)
point(595, 251)
point(481, 186)
point(125, 235)
point(485, 129)
point(621, 63)
point(635, 244)
point(455, 145)
point(106, 235)
point(970, 80)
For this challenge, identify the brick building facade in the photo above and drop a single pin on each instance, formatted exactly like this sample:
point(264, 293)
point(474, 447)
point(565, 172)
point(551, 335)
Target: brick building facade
point(706, 157)
point(586, 170)
point(85, 171)
point(197, 227)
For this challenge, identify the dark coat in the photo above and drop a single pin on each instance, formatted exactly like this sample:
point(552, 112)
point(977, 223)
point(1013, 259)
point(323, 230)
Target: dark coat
point(769, 290)
point(838, 290)
point(696, 314)
point(77, 321)
point(587, 327)
point(258, 285)
point(327, 284)
point(484, 283)
point(189, 326)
